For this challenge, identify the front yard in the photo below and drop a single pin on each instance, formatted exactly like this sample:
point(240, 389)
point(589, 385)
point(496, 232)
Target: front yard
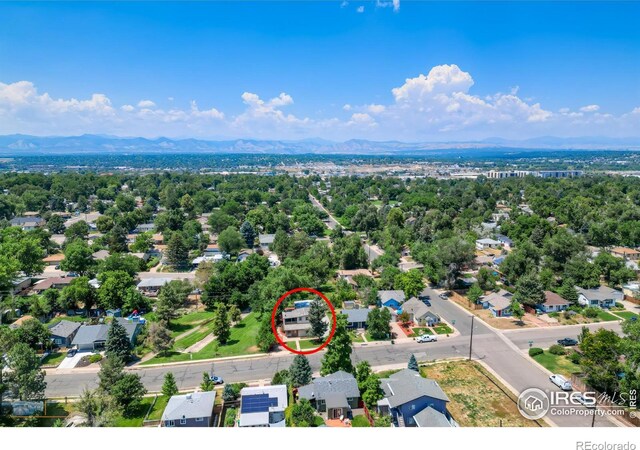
point(626, 315)
point(241, 342)
point(53, 359)
point(560, 364)
point(477, 398)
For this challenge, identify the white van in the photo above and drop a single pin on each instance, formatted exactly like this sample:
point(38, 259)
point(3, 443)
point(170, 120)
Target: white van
point(561, 382)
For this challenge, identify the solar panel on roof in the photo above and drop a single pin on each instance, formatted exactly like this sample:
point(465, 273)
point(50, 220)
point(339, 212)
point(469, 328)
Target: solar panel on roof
point(257, 403)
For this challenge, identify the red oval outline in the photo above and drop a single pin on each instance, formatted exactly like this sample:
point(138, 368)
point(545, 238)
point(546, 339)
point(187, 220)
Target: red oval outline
point(331, 308)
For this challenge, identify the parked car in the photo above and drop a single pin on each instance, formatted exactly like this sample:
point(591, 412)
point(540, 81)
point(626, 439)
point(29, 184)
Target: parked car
point(426, 338)
point(561, 382)
point(71, 353)
point(216, 380)
point(444, 296)
point(426, 301)
point(568, 342)
point(589, 402)
point(72, 274)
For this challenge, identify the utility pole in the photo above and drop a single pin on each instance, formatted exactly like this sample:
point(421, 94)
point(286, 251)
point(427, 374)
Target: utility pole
point(471, 338)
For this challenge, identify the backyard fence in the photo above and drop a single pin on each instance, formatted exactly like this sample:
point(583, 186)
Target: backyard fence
point(464, 301)
point(367, 414)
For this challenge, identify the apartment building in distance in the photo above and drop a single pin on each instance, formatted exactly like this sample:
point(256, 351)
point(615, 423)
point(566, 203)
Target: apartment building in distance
point(495, 174)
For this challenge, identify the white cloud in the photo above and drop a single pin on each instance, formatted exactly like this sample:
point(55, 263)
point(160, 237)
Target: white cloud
point(590, 108)
point(344, 4)
point(376, 109)
point(360, 9)
point(396, 5)
point(444, 104)
point(146, 104)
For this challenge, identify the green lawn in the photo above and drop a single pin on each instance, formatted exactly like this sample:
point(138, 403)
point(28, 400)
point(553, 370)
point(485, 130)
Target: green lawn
point(241, 342)
point(371, 339)
point(442, 329)
point(307, 344)
point(557, 364)
point(356, 337)
point(58, 319)
point(55, 411)
point(419, 331)
point(188, 322)
point(606, 316)
point(198, 335)
point(360, 421)
point(158, 408)
point(136, 417)
point(626, 314)
point(53, 359)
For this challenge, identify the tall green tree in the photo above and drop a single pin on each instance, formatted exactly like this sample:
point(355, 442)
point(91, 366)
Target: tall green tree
point(300, 371)
point(169, 387)
point(317, 318)
point(118, 343)
point(78, 257)
point(221, 325)
point(230, 240)
point(177, 251)
point(338, 355)
point(159, 338)
point(248, 233)
point(413, 363)
point(25, 380)
point(529, 291)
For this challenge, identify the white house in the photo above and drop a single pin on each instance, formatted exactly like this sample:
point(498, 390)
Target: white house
point(481, 244)
point(600, 297)
point(263, 406)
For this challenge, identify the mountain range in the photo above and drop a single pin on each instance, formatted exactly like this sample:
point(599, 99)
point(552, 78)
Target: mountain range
point(24, 145)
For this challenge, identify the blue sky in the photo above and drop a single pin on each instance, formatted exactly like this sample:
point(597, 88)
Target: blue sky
point(295, 70)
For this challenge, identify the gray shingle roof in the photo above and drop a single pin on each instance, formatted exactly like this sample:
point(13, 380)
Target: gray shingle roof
point(88, 334)
point(189, 406)
point(415, 307)
point(429, 417)
point(266, 238)
point(154, 282)
point(408, 385)
point(297, 312)
point(600, 293)
point(64, 328)
point(356, 315)
point(384, 296)
point(338, 382)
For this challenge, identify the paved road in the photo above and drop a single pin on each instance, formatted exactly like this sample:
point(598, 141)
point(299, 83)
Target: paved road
point(499, 350)
point(332, 223)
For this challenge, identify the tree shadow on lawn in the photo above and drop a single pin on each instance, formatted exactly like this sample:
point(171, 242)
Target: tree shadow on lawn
point(240, 325)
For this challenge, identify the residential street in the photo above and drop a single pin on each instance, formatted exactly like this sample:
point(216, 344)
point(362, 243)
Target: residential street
point(498, 350)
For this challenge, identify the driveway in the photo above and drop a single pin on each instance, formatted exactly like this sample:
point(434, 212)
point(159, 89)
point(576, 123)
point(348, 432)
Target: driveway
point(70, 363)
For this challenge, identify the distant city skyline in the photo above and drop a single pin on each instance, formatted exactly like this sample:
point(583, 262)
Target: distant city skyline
point(376, 70)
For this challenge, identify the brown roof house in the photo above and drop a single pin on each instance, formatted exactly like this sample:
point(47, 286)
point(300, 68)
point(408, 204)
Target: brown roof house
point(553, 303)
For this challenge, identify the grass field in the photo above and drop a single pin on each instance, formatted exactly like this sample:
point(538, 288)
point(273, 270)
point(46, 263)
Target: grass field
point(53, 359)
point(158, 407)
point(477, 399)
point(58, 319)
point(360, 422)
point(198, 335)
point(557, 364)
point(606, 316)
point(626, 314)
point(57, 411)
point(442, 329)
point(136, 417)
point(241, 342)
point(188, 322)
point(307, 344)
